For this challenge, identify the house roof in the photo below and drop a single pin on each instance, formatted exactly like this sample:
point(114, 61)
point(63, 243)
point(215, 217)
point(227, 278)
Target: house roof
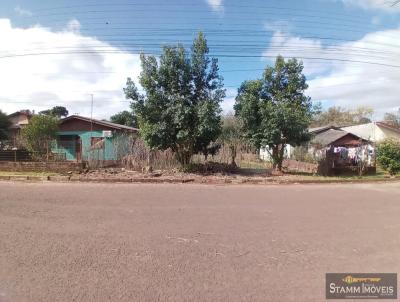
point(388, 126)
point(330, 136)
point(98, 122)
point(23, 112)
point(317, 130)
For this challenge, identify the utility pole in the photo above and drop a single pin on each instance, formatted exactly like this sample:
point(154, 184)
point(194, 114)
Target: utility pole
point(91, 117)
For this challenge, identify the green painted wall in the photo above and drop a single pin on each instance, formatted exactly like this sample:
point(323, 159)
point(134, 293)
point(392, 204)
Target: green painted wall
point(108, 153)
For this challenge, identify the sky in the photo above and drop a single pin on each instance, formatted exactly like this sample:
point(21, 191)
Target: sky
point(63, 52)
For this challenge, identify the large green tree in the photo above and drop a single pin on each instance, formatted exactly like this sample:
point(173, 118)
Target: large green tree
point(57, 111)
point(180, 108)
point(4, 124)
point(39, 134)
point(274, 110)
point(125, 118)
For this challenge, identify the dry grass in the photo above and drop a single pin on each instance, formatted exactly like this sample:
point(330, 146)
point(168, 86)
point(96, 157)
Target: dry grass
point(39, 174)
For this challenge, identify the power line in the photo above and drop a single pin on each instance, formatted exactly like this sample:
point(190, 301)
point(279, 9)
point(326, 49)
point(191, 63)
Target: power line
point(217, 55)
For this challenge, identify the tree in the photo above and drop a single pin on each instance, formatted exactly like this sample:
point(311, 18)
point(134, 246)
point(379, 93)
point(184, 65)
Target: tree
point(341, 117)
point(388, 155)
point(125, 118)
point(180, 109)
point(57, 111)
point(274, 110)
point(247, 108)
point(39, 133)
point(4, 124)
point(393, 119)
point(231, 135)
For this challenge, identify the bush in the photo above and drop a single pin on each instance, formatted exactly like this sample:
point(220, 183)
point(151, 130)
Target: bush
point(39, 134)
point(140, 158)
point(388, 155)
point(301, 153)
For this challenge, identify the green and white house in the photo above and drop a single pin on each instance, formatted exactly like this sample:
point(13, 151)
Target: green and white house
point(83, 139)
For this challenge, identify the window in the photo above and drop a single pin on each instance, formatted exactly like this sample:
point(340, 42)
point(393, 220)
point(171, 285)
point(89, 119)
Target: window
point(97, 143)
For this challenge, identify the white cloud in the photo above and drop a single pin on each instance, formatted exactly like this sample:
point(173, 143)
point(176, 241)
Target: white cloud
point(278, 26)
point(74, 25)
point(229, 101)
point(42, 81)
point(216, 5)
point(22, 12)
point(288, 46)
point(345, 82)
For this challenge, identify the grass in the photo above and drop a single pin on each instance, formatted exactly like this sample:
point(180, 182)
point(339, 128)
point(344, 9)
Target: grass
point(255, 165)
point(39, 174)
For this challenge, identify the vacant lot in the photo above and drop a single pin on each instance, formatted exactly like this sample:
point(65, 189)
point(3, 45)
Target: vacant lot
point(96, 242)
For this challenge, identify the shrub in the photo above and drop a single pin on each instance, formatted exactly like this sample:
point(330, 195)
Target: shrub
point(39, 134)
point(388, 155)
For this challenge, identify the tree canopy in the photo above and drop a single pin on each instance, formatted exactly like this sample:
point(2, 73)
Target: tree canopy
point(4, 124)
point(180, 108)
point(338, 116)
point(125, 118)
point(393, 119)
point(388, 155)
point(39, 133)
point(274, 110)
point(57, 111)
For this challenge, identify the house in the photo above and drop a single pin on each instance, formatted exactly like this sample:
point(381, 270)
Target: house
point(339, 151)
point(84, 139)
point(374, 132)
point(333, 137)
point(18, 120)
point(265, 152)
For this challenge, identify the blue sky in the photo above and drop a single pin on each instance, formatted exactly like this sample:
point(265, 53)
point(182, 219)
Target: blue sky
point(350, 48)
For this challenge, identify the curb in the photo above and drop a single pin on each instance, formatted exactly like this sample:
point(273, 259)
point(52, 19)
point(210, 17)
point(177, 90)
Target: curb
point(222, 181)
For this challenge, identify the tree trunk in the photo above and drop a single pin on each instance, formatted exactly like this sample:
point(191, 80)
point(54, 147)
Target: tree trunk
point(278, 152)
point(47, 150)
point(233, 155)
point(274, 157)
point(184, 158)
point(280, 158)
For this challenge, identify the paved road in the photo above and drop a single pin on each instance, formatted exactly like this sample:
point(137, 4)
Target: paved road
point(97, 242)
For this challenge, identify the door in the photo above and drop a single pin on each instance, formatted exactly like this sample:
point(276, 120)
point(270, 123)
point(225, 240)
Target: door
point(78, 149)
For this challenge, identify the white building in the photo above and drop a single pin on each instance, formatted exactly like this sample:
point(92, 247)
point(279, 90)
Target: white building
point(374, 132)
point(265, 152)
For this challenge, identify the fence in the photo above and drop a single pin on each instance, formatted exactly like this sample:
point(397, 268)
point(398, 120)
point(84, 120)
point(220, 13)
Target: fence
point(15, 155)
point(59, 167)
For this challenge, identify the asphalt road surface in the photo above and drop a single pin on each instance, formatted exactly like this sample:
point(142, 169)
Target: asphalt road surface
point(104, 242)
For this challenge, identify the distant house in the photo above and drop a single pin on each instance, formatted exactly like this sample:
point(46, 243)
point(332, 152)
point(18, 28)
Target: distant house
point(265, 152)
point(323, 138)
point(374, 132)
point(18, 120)
point(84, 139)
point(333, 137)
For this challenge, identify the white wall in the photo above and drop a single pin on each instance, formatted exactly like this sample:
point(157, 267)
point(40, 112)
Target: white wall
point(372, 132)
point(265, 155)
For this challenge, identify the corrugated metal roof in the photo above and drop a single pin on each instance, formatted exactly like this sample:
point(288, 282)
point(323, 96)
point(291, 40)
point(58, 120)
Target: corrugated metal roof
point(321, 129)
point(103, 123)
point(328, 137)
